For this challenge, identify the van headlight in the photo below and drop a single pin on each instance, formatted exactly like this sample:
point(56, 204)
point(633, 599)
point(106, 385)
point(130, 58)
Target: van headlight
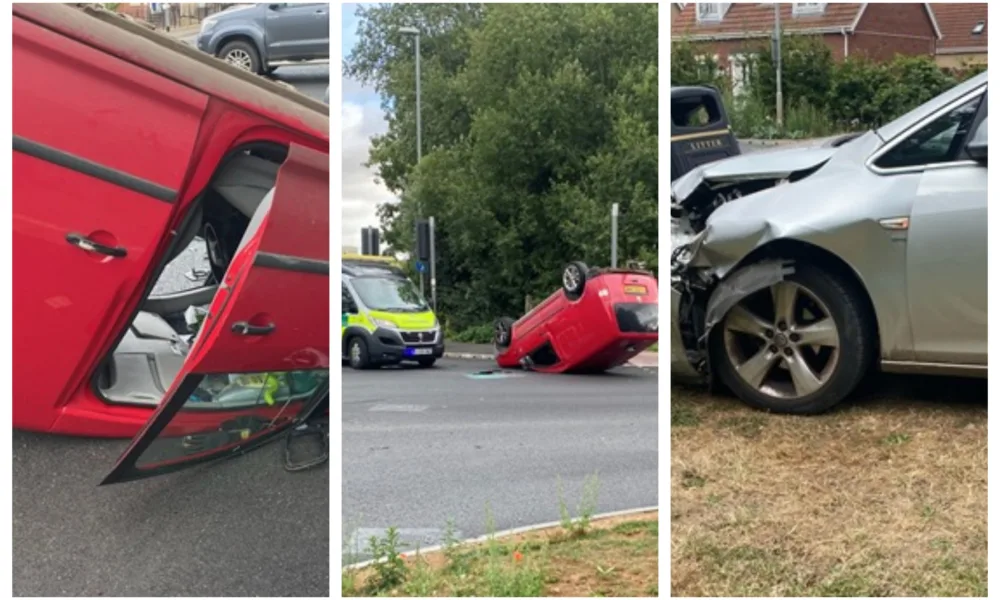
point(208, 25)
point(384, 323)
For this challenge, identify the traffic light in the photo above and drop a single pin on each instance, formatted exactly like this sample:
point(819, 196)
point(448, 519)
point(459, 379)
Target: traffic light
point(369, 241)
point(423, 240)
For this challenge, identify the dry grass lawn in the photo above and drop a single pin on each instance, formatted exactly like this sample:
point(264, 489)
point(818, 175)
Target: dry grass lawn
point(886, 496)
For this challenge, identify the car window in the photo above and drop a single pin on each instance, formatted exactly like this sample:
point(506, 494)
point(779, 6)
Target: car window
point(347, 301)
point(937, 142)
point(699, 111)
point(253, 402)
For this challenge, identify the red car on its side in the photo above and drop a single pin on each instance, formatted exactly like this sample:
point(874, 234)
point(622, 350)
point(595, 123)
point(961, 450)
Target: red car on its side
point(129, 147)
point(600, 319)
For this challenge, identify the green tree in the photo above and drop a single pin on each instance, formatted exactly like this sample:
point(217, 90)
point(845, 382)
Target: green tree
point(537, 117)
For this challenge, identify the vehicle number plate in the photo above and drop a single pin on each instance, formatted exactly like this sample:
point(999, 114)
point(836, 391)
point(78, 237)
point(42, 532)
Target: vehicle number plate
point(635, 290)
point(422, 351)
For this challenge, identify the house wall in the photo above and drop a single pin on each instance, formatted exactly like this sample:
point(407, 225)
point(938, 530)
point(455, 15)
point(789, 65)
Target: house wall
point(887, 29)
point(957, 61)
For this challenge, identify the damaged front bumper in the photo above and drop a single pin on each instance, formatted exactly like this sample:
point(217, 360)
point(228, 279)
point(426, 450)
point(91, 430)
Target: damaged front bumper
point(700, 297)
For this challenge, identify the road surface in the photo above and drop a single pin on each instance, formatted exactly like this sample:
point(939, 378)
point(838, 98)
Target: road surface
point(241, 527)
point(422, 447)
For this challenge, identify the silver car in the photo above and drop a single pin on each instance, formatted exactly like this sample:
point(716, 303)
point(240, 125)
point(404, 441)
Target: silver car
point(794, 272)
point(256, 36)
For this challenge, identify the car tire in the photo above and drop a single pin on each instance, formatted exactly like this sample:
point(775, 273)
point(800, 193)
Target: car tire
point(243, 55)
point(855, 334)
point(426, 363)
point(503, 333)
point(574, 279)
point(357, 353)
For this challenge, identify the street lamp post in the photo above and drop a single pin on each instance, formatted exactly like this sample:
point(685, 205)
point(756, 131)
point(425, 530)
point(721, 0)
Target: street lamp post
point(416, 39)
point(780, 108)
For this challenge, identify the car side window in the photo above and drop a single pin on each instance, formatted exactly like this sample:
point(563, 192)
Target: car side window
point(939, 141)
point(349, 306)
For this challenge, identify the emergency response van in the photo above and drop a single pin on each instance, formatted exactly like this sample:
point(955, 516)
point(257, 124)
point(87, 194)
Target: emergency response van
point(384, 318)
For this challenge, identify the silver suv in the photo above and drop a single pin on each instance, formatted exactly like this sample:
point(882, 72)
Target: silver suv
point(256, 36)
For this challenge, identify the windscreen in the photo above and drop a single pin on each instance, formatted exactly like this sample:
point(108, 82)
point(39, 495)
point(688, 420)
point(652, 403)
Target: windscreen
point(389, 294)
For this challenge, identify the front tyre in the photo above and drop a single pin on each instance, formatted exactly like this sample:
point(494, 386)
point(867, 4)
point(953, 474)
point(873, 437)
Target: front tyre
point(243, 55)
point(357, 353)
point(503, 333)
point(797, 347)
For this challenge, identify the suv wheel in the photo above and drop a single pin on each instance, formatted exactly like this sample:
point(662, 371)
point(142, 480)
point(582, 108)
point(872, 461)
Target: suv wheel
point(241, 54)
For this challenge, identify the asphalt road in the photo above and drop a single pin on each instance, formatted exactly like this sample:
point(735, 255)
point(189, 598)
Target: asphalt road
point(241, 527)
point(422, 447)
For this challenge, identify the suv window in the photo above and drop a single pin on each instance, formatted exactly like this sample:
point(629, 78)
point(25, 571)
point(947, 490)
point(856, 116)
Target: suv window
point(939, 141)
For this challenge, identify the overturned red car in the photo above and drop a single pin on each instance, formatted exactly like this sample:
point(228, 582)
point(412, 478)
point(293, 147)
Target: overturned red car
point(600, 319)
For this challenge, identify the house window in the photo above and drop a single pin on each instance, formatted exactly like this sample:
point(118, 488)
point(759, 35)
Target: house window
point(740, 73)
point(978, 29)
point(710, 11)
point(807, 8)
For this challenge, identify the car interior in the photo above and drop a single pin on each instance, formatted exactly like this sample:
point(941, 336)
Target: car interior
point(152, 351)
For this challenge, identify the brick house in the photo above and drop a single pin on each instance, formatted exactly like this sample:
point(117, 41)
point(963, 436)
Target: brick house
point(877, 30)
point(963, 34)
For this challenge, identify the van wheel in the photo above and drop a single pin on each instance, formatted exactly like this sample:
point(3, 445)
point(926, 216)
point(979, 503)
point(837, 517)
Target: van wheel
point(426, 363)
point(357, 353)
point(574, 279)
point(503, 331)
point(242, 55)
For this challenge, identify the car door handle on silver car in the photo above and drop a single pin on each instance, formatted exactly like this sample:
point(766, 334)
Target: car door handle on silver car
point(245, 328)
point(84, 243)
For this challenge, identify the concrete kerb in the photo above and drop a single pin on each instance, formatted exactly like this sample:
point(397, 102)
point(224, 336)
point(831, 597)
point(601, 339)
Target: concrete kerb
point(474, 356)
point(507, 533)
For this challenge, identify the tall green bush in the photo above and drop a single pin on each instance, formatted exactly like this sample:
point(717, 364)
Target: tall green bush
point(806, 71)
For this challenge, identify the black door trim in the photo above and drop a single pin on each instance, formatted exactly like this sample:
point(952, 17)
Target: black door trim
point(270, 260)
point(93, 169)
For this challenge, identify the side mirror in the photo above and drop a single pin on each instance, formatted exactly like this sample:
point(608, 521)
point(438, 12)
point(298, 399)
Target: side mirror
point(275, 6)
point(978, 146)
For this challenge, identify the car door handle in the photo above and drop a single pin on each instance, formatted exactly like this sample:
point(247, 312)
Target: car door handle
point(245, 328)
point(84, 243)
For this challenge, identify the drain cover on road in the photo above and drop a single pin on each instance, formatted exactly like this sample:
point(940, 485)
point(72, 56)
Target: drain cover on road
point(494, 374)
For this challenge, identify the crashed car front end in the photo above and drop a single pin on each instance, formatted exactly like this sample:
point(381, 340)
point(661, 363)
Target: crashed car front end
point(703, 284)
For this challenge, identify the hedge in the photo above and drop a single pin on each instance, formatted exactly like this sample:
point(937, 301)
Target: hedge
point(821, 97)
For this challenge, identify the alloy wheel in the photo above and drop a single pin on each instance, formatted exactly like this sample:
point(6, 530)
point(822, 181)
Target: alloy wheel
point(240, 58)
point(782, 341)
point(572, 277)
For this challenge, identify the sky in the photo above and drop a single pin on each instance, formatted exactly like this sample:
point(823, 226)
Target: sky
point(362, 118)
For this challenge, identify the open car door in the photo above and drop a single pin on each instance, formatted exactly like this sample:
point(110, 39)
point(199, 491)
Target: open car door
point(260, 362)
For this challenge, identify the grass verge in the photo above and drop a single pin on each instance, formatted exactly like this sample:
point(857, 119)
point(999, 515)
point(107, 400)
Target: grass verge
point(608, 557)
point(886, 496)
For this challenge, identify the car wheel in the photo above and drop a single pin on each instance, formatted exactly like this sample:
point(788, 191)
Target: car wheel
point(426, 363)
point(798, 347)
point(357, 353)
point(503, 331)
point(574, 279)
point(242, 55)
